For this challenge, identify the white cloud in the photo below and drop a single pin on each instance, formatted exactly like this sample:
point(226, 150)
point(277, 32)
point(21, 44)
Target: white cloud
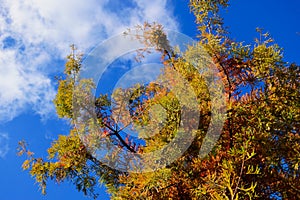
point(34, 33)
point(4, 148)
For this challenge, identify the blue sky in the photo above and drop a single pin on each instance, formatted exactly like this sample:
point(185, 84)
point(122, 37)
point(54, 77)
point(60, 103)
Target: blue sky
point(34, 39)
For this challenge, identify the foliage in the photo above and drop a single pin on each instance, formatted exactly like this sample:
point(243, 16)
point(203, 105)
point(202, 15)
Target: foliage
point(257, 155)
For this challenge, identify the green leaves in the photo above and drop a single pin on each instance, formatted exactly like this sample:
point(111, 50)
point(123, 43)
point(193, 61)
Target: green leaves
point(73, 63)
point(64, 99)
point(256, 156)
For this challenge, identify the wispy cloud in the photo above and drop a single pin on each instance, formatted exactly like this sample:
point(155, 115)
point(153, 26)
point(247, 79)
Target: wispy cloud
point(4, 148)
point(35, 33)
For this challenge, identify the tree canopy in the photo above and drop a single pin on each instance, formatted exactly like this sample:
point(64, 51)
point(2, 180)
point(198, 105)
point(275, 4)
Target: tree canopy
point(256, 155)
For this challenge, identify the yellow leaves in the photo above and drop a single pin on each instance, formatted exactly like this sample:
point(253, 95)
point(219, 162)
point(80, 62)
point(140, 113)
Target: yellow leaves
point(263, 122)
point(210, 24)
point(266, 58)
point(73, 63)
point(69, 96)
point(66, 156)
point(150, 185)
point(69, 150)
point(26, 164)
point(252, 170)
point(64, 99)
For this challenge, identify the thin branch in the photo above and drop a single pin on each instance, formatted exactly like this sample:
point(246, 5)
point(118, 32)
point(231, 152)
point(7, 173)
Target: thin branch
point(116, 133)
point(239, 179)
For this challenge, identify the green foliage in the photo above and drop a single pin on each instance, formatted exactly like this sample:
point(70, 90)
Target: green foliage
point(256, 156)
point(63, 100)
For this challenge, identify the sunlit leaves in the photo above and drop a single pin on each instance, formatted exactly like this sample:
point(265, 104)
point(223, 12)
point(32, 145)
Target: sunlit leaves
point(64, 99)
point(257, 155)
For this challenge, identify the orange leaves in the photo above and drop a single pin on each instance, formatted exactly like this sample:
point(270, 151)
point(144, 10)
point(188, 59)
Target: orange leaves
point(105, 132)
point(257, 153)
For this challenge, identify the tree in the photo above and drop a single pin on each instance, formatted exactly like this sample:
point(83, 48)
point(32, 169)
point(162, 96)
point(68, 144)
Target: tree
point(256, 156)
